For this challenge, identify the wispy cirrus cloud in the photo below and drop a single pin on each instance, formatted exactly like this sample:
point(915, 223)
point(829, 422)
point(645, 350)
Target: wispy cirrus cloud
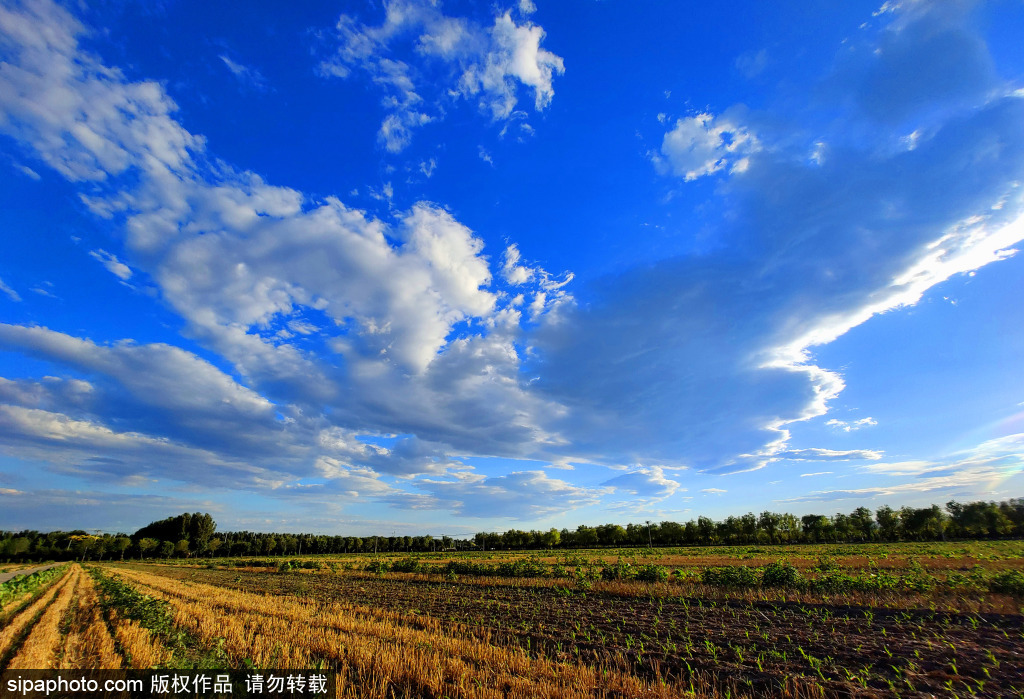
point(7, 291)
point(971, 473)
point(247, 75)
point(853, 425)
point(829, 454)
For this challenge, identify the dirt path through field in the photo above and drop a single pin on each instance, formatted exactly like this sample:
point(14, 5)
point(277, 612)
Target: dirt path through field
point(4, 577)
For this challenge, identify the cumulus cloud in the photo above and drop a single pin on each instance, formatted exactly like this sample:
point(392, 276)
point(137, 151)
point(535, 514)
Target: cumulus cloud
point(457, 57)
point(704, 144)
point(514, 56)
point(511, 270)
point(254, 270)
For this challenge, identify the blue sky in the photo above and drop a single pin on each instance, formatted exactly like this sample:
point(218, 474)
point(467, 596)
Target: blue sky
point(445, 267)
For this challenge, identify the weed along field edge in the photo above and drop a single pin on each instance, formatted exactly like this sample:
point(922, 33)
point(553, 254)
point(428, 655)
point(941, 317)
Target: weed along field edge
point(911, 620)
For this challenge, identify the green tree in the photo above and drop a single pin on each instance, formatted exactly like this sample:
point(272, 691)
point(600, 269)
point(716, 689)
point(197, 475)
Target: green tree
point(863, 523)
point(768, 522)
point(17, 546)
point(817, 528)
point(586, 536)
point(121, 544)
point(146, 544)
point(889, 523)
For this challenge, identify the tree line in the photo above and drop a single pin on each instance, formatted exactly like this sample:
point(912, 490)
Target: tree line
point(189, 535)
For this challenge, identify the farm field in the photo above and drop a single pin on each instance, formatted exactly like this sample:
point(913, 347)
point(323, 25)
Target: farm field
point(946, 622)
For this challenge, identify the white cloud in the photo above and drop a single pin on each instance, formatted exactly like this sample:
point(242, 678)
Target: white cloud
point(25, 170)
point(819, 473)
point(511, 270)
point(153, 389)
point(81, 118)
point(514, 56)
point(852, 426)
point(828, 454)
point(460, 58)
point(113, 265)
point(647, 482)
point(713, 491)
point(246, 75)
point(9, 292)
point(973, 473)
point(704, 144)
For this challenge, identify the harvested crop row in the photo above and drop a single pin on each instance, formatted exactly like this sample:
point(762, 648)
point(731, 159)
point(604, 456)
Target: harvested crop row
point(379, 657)
point(141, 649)
point(13, 630)
point(89, 644)
point(43, 642)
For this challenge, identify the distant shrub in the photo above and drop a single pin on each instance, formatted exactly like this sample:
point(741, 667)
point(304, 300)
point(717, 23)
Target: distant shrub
point(1008, 581)
point(730, 576)
point(780, 575)
point(618, 571)
point(522, 569)
point(407, 565)
point(652, 573)
point(468, 568)
point(378, 566)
